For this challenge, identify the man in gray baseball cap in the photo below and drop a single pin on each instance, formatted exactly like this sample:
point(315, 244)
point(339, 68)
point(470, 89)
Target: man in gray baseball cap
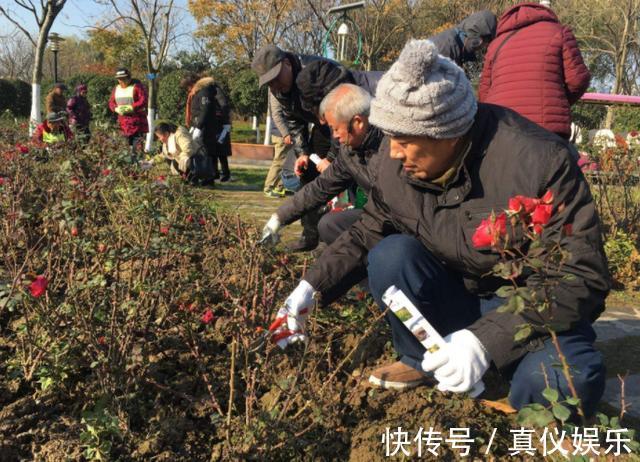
point(268, 63)
point(279, 70)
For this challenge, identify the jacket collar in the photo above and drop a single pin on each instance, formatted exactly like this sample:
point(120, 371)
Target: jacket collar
point(370, 144)
point(460, 185)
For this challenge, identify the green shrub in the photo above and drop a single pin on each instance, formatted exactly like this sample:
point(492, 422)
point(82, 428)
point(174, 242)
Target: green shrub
point(624, 258)
point(625, 119)
point(246, 97)
point(100, 88)
point(7, 96)
point(22, 106)
point(171, 97)
point(588, 116)
point(74, 81)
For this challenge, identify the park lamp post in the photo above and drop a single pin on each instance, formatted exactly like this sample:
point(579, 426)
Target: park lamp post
point(54, 46)
point(342, 17)
point(343, 31)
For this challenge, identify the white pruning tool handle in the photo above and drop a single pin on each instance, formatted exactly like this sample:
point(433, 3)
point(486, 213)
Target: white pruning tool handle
point(413, 320)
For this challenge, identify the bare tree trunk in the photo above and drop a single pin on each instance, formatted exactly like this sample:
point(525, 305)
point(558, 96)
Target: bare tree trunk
point(152, 110)
point(44, 19)
point(36, 78)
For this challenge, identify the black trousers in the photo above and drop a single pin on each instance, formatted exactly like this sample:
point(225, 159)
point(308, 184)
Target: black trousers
point(213, 152)
point(320, 142)
point(333, 224)
point(224, 166)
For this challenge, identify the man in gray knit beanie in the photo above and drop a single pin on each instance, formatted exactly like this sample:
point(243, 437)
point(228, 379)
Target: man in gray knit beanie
point(424, 94)
point(448, 162)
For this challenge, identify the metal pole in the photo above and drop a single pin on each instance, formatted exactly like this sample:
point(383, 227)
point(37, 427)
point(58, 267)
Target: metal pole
point(55, 66)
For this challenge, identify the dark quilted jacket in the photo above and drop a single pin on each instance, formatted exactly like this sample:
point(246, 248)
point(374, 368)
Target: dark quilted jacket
point(539, 71)
point(507, 155)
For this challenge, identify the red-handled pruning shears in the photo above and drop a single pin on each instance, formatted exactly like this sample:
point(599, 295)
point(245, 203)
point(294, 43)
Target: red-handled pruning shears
point(277, 331)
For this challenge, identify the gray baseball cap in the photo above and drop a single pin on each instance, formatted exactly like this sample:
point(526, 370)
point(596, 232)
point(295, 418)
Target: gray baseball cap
point(267, 63)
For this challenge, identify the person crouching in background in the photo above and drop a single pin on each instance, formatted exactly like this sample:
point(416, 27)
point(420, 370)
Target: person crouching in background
point(185, 156)
point(53, 131)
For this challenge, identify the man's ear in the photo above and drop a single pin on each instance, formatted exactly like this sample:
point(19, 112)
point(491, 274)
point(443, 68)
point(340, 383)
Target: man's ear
point(358, 123)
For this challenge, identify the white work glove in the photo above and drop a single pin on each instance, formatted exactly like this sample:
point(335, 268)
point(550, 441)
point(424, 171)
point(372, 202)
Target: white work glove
point(270, 231)
point(196, 134)
point(288, 326)
point(223, 134)
point(460, 364)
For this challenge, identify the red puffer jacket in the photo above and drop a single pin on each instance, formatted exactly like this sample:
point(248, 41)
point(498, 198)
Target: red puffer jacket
point(534, 67)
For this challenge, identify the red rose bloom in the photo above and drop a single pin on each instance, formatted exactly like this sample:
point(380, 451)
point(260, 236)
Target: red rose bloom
point(522, 204)
point(542, 214)
point(207, 317)
point(39, 286)
point(164, 229)
point(490, 231)
point(547, 198)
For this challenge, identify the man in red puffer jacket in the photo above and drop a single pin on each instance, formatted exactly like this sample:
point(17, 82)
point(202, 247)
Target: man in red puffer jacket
point(534, 67)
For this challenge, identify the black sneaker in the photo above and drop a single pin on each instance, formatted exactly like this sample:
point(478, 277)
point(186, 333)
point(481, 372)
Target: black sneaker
point(227, 178)
point(304, 244)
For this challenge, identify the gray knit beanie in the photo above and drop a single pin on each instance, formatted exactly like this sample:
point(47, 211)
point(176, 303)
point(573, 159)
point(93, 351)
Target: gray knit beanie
point(424, 94)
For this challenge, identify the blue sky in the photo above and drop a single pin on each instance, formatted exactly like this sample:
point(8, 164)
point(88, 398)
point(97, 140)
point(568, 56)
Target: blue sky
point(78, 15)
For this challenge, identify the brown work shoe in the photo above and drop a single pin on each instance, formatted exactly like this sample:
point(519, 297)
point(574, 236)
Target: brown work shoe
point(397, 376)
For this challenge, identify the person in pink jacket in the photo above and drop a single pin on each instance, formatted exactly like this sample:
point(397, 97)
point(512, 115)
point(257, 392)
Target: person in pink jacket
point(129, 101)
point(534, 67)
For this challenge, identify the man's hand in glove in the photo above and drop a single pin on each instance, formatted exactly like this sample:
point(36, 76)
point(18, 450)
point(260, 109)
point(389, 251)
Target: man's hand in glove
point(270, 231)
point(196, 134)
point(223, 134)
point(460, 364)
point(288, 326)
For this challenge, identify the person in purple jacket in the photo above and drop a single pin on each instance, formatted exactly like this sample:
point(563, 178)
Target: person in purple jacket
point(79, 112)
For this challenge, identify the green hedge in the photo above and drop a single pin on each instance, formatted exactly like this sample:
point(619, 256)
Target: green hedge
point(241, 86)
point(246, 97)
point(7, 96)
point(100, 87)
point(171, 97)
point(626, 119)
point(23, 98)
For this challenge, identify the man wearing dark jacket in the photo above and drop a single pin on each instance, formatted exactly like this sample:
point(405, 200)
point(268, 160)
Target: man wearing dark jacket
point(461, 43)
point(447, 163)
point(346, 110)
point(279, 70)
point(293, 79)
point(208, 116)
